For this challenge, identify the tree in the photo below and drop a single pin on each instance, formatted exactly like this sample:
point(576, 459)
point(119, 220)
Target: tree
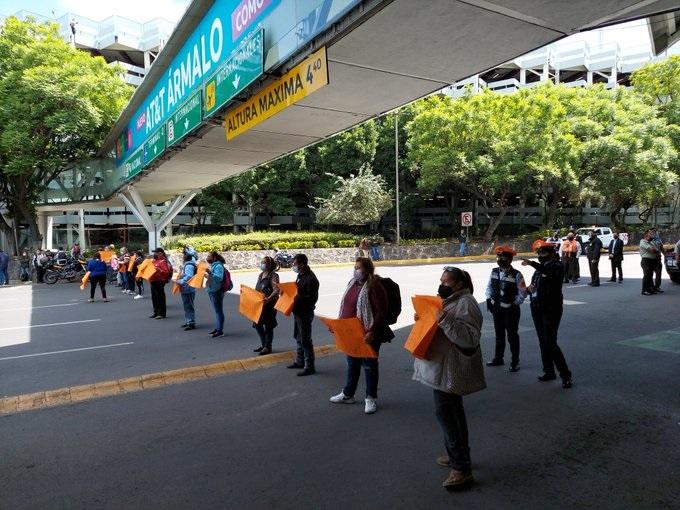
point(358, 200)
point(58, 104)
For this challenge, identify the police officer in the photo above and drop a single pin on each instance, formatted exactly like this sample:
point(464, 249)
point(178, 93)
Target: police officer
point(546, 310)
point(505, 292)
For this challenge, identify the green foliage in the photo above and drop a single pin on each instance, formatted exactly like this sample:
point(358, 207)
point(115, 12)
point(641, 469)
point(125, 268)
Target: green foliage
point(415, 242)
point(346, 244)
point(261, 241)
point(359, 200)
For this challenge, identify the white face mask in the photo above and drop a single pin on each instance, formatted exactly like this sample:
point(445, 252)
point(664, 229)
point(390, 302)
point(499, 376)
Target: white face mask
point(358, 275)
point(296, 269)
point(263, 267)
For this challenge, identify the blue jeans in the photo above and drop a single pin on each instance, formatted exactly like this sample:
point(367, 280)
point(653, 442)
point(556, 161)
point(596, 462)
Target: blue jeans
point(4, 277)
point(217, 300)
point(370, 369)
point(375, 252)
point(188, 303)
point(462, 249)
point(123, 280)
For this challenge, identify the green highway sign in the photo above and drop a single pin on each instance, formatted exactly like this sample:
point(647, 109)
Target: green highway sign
point(244, 67)
point(154, 145)
point(185, 119)
point(133, 165)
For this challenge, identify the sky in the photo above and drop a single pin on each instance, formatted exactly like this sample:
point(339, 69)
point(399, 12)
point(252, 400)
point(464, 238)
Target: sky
point(137, 10)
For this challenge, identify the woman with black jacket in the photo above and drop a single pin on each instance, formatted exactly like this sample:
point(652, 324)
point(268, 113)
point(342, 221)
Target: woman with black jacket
point(267, 283)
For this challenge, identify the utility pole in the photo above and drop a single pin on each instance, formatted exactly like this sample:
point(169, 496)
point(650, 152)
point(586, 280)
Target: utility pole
point(396, 169)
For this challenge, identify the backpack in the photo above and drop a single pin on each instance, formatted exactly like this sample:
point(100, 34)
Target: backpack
point(227, 284)
point(393, 299)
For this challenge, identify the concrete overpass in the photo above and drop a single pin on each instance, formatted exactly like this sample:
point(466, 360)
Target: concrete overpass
point(226, 57)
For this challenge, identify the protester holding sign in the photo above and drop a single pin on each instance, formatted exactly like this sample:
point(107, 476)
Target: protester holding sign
point(267, 283)
point(161, 276)
point(303, 313)
point(454, 368)
point(187, 292)
point(365, 298)
point(97, 269)
point(216, 276)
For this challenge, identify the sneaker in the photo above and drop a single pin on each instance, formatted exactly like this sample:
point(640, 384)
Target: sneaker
point(90, 300)
point(158, 317)
point(217, 334)
point(546, 377)
point(265, 351)
point(138, 296)
point(443, 461)
point(305, 372)
point(514, 368)
point(106, 300)
point(495, 363)
point(370, 406)
point(566, 383)
point(341, 398)
point(295, 365)
point(457, 480)
point(189, 327)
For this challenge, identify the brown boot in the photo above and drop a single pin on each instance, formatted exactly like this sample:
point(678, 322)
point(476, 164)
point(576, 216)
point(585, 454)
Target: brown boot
point(458, 480)
point(444, 461)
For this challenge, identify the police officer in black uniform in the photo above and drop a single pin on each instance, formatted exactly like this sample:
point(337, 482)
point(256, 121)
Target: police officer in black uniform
point(505, 292)
point(546, 310)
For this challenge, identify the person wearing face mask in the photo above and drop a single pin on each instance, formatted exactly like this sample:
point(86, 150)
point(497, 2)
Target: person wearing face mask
point(648, 255)
point(303, 314)
point(569, 251)
point(454, 368)
point(187, 292)
point(505, 292)
point(216, 275)
point(546, 311)
point(365, 298)
point(616, 257)
point(593, 253)
point(157, 281)
point(267, 283)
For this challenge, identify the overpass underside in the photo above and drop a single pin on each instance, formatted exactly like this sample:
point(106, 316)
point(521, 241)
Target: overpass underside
point(381, 55)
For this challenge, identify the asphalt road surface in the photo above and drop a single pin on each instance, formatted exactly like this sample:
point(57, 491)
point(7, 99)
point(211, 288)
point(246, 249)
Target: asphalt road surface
point(268, 439)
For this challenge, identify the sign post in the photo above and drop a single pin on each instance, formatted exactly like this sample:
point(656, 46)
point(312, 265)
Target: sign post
point(308, 76)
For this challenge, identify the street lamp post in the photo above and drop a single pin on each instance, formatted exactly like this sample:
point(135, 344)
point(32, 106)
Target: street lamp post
point(396, 170)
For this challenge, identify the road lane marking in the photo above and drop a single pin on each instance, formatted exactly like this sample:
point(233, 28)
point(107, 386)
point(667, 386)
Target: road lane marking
point(49, 325)
point(569, 302)
point(73, 394)
point(33, 307)
point(67, 350)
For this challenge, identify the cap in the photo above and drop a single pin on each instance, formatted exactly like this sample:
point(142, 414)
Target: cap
point(505, 250)
point(540, 244)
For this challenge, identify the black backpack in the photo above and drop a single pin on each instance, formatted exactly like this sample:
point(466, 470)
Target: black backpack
point(393, 299)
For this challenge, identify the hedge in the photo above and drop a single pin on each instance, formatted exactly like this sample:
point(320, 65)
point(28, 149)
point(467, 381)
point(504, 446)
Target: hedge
point(263, 241)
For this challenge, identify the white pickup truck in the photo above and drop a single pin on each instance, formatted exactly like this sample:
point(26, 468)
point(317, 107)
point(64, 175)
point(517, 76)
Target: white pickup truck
point(604, 233)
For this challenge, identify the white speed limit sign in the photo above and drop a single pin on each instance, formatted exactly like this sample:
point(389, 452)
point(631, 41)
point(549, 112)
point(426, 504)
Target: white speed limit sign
point(466, 219)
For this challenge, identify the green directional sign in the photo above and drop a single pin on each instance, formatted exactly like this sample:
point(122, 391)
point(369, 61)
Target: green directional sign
point(133, 165)
point(244, 67)
point(185, 119)
point(154, 145)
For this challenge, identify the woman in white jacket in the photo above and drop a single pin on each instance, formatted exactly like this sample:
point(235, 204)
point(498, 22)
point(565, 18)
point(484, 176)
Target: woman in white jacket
point(454, 368)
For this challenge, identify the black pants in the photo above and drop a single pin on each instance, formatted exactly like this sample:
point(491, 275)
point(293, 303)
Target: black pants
point(158, 298)
point(594, 265)
point(658, 268)
point(547, 322)
point(571, 272)
point(616, 265)
point(266, 334)
point(451, 417)
point(371, 370)
point(506, 321)
point(647, 274)
point(98, 280)
point(40, 274)
point(303, 335)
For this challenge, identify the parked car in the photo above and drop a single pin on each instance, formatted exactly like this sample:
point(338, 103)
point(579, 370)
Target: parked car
point(672, 267)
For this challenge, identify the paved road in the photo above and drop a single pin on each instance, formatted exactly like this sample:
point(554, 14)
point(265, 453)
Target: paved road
point(267, 439)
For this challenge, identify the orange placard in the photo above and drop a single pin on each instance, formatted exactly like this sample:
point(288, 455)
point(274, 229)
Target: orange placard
point(251, 303)
point(423, 331)
point(198, 280)
point(141, 267)
point(106, 256)
point(122, 267)
point(84, 281)
point(146, 269)
point(131, 264)
point(176, 287)
point(287, 293)
point(349, 337)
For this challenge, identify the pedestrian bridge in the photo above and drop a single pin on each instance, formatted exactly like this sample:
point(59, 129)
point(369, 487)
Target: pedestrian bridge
point(243, 82)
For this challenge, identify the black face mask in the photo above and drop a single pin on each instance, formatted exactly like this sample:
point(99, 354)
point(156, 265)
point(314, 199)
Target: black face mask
point(544, 257)
point(503, 262)
point(444, 291)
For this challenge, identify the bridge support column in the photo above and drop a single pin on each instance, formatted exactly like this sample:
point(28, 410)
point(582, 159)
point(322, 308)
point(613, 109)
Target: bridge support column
point(81, 229)
point(154, 227)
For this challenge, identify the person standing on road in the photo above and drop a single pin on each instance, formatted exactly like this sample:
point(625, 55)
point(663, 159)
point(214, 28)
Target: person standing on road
point(505, 292)
point(188, 293)
point(4, 265)
point(25, 267)
point(658, 266)
point(97, 269)
point(569, 251)
point(157, 281)
point(140, 281)
point(123, 262)
point(216, 275)
point(462, 239)
point(546, 311)
point(40, 263)
point(75, 251)
point(365, 298)
point(616, 257)
point(454, 368)
point(303, 314)
point(267, 283)
point(648, 252)
point(593, 255)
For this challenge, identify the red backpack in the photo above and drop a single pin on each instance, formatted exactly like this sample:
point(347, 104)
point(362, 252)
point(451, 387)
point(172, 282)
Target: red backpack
point(227, 283)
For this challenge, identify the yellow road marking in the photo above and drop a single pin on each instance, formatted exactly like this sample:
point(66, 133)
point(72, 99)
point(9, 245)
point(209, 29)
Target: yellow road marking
point(64, 396)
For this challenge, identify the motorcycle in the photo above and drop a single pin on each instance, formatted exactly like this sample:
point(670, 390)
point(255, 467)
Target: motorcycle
point(70, 271)
point(282, 258)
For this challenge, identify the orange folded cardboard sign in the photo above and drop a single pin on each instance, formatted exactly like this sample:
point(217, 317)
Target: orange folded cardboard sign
point(131, 263)
point(427, 308)
point(84, 281)
point(287, 293)
point(251, 303)
point(106, 256)
point(198, 280)
point(349, 337)
point(146, 269)
point(176, 287)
